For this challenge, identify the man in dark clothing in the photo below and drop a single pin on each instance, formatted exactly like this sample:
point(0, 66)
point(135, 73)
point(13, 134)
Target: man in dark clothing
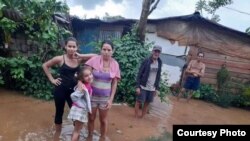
point(148, 80)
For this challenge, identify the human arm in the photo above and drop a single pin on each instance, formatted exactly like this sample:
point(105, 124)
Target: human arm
point(76, 95)
point(84, 56)
point(113, 91)
point(158, 77)
point(115, 78)
point(202, 72)
point(139, 75)
point(188, 69)
point(81, 87)
point(47, 65)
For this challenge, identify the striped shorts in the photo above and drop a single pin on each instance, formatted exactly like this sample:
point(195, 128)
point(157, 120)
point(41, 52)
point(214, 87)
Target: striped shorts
point(99, 102)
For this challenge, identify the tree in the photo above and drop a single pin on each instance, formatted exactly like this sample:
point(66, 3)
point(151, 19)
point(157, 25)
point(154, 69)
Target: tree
point(148, 6)
point(211, 6)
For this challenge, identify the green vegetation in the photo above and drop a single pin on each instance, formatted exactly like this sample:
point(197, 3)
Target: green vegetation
point(23, 72)
point(229, 92)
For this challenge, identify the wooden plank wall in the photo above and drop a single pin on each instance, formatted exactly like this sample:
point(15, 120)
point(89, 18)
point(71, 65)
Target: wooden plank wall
point(239, 68)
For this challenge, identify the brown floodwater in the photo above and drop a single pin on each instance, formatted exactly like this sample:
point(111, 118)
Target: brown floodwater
point(24, 118)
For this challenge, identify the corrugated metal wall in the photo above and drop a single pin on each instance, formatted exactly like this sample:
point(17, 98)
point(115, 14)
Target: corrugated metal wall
point(86, 37)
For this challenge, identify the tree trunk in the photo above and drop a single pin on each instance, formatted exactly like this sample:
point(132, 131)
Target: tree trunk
point(143, 19)
point(147, 9)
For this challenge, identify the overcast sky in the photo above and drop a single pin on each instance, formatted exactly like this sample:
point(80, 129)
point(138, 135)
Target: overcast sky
point(166, 8)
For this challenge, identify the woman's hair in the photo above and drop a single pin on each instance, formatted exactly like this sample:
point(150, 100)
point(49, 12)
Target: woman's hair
point(107, 42)
point(71, 39)
point(80, 73)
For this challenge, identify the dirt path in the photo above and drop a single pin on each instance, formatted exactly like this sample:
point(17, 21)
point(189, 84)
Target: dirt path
point(200, 112)
point(28, 119)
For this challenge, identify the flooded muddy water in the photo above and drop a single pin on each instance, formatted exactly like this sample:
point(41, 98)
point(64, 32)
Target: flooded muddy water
point(24, 118)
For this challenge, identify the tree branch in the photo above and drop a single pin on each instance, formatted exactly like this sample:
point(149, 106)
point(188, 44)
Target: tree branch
point(153, 7)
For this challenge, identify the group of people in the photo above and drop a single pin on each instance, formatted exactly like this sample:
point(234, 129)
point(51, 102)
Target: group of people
point(91, 88)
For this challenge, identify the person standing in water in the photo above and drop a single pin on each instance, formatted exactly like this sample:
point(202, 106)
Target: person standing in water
point(106, 73)
point(148, 81)
point(194, 71)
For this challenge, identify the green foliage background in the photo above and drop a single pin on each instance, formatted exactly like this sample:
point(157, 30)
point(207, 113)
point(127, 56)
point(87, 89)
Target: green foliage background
point(22, 72)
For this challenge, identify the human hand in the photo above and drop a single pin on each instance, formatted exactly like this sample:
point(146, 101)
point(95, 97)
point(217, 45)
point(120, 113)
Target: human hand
point(156, 93)
point(77, 55)
point(138, 91)
point(81, 87)
point(109, 104)
point(195, 74)
point(56, 82)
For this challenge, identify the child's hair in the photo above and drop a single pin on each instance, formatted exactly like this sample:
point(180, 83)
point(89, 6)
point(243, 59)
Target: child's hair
point(80, 73)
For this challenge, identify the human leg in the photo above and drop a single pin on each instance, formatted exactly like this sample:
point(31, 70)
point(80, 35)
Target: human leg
point(59, 99)
point(103, 117)
point(91, 123)
point(190, 94)
point(149, 98)
point(194, 87)
point(137, 108)
point(182, 91)
point(77, 129)
point(139, 100)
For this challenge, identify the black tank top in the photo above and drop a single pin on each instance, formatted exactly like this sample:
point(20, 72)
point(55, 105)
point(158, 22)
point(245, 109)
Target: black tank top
point(67, 74)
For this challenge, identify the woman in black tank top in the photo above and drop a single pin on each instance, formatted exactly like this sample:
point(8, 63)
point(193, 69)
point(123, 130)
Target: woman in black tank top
point(69, 64)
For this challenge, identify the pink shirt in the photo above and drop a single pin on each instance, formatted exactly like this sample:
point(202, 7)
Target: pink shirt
point(96, 63)
point(88, 86)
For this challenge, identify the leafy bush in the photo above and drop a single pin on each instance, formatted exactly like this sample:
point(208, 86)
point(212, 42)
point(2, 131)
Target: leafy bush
point(246, 92)
point(226, 94)
point(130, 52)
point(208, 93)
point(22, 72)
point(26, 74)
point(243, 98)
point(164, 89)
point(223, 76)
point(225, 99)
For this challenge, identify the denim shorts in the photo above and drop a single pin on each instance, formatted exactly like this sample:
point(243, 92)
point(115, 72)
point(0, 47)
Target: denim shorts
point(192, 83)
point(145, 96)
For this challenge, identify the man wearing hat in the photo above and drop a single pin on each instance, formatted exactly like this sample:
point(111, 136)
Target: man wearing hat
point(148, 80)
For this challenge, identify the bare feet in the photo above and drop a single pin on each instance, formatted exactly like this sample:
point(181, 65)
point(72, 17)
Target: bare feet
point(102, 138)
point(89, 138)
